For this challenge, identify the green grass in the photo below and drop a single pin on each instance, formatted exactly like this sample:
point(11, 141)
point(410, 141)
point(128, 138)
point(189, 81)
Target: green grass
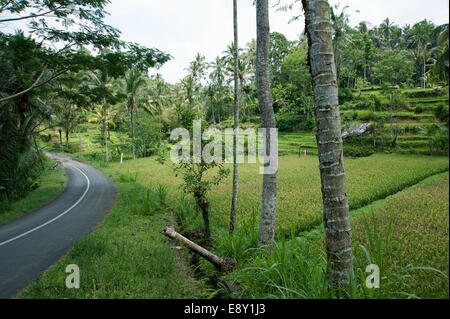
point(420, 237)
point(126, 257)
point(298, 207)
point(51, 183)
point(291, 143)
point(407, 235)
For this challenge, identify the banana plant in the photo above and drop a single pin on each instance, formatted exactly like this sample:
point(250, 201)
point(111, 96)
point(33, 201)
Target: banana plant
point(438, 138)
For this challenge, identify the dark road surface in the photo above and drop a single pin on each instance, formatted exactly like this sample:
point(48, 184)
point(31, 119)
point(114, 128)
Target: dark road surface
point(31, 244)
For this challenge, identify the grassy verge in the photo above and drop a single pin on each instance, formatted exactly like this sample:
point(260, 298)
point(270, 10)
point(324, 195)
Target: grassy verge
point(127, 256)
point(51, 184)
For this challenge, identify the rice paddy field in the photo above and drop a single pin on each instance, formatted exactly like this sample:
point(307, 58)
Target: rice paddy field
point(406, 235)
point(299, 206)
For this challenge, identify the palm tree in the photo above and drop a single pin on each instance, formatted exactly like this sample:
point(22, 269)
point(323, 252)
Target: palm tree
point(217, 82)
point(100, 82)
point(196, 74)
point(197, 68)
point(420, 42)
point(340, 23)
point(65, 117)
point(386, 28)
point(329, 142)
point(132, 86)
point(188, 85)
point(269, 193)
point(158, 90)
point(236, 119)
point(442, 52)
point(104, 114)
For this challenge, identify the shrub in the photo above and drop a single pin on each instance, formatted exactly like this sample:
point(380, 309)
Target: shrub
point(287, 122)
point(345, 95)
point(358, 151)
point(367, 116)
point(418, 110)
point(127, 177)
point(441, 112)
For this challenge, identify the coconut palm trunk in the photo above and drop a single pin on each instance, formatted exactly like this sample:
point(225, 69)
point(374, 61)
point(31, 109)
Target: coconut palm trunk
point(132, 126)
point(60, 138)
point(236, 123)
point(67, 136)
point(79, 140)
point(424, 71)
point(329, 141)
point(105, 130)
point(269, 193)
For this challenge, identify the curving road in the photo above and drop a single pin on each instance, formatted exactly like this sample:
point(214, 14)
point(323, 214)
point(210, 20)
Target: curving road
point(31, 244)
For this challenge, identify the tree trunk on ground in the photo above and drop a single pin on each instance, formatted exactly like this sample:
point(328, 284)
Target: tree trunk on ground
point(236, 123)
point(223, 264)
point(269, 193)
point(329, 141)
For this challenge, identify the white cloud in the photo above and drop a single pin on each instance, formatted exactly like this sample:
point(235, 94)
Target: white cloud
point(185, 27)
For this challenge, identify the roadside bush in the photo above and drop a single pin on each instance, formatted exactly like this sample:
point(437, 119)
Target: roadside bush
point(19, 174)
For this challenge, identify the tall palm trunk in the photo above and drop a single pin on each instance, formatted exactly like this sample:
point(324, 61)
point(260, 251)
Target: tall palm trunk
point(212, 110)
point(236, 123)
point(105, 130)
point(391, 128)
point(60, 138)
point(424, 71)
point(67, 137)
point(269, 193)
point(132, 126)
point(79, 139)
point(329, 141)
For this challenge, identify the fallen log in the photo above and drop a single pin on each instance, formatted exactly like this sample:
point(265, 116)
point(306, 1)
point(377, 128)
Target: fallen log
point(224, 264)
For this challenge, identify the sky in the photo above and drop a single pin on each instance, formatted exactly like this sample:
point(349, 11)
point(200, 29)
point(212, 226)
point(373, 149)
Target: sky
point(184, 27)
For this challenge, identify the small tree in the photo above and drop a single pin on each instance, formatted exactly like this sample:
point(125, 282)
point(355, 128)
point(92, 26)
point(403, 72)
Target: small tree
point(437, 138)
point(198, 179)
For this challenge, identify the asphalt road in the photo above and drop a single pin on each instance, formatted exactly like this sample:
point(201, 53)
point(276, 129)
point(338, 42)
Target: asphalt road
point(31, 244)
